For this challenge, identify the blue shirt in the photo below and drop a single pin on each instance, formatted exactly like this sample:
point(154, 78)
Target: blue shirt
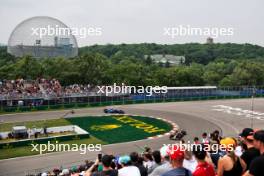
point(178, 172)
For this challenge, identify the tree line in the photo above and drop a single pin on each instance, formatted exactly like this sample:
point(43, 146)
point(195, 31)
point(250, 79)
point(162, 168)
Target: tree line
point(206, 64)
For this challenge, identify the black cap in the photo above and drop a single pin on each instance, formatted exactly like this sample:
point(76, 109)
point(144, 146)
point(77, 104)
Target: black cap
point(259, 136)
point(246, 132)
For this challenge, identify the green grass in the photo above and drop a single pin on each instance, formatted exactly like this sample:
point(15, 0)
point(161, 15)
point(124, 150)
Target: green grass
point(26, 150)
point(37, 124)
point(124, 133)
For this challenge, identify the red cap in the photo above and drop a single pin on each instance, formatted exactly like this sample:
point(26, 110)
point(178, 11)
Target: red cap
point(175, 152)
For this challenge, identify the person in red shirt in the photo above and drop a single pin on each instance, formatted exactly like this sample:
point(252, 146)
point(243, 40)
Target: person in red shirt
point(203, 168)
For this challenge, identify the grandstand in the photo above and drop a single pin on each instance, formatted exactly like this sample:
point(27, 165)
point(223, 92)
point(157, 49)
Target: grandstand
point(43, 92)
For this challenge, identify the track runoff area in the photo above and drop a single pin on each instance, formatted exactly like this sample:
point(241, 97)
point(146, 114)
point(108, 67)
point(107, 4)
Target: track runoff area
point(146, 125)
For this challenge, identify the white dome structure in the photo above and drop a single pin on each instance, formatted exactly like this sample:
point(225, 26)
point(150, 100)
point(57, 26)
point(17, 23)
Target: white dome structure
point(42, 37)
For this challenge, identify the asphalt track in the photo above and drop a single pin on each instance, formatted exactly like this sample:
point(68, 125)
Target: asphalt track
point(195, 117)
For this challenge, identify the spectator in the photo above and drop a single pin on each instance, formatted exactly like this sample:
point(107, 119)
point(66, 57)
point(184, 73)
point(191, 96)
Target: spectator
point(157, 160)
point(135, 162)
point(205, 139)
point(230, 164)
point(107, 170)
point(127, 168)
point(189, 161)
point(165, 163)
point(176, 157)
point(196, 140)
point(216, 154)
point(203, 168)
point(256, 167)
point(65, 172)
point(148, 162)
point(251, 152)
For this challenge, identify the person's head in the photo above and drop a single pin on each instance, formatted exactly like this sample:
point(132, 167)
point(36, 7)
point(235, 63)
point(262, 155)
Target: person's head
point(259, 139)
point(124, 160)
point(107, 160)
point(216, 132)
point(245, 133)
point(157, 156)
point(188, 154)
point(196, 140)
point(148, 157)
point(134, 157)
point(204, 135)
point(147, 149)
point(74, 169)
point(199, 152)
point(176, 154)
point(229, 144)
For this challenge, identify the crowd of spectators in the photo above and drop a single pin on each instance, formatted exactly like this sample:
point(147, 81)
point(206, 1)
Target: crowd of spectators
point(40, 88)
point(17, 89)
point(209, 155)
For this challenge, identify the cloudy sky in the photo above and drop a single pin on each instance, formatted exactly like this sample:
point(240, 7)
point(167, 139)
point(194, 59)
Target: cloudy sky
point(137, 21)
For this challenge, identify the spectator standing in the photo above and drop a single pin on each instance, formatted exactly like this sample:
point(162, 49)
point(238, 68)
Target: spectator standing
point(148, 162)
point(107, 170)
point(165, 160)
point(230, 164)
point(176, 157)
point(203, 168)
point(189, 161)
point(127, 168)
point(256, 167)
point(251, 152)
point(135, 162)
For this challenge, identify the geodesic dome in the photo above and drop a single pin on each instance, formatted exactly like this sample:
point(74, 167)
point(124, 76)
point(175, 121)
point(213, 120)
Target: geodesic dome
point(42, 37)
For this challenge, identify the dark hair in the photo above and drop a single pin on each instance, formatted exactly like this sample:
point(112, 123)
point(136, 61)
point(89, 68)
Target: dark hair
point(259, 136)
point(196, 139)
point(140, 160)
point(134, 157)
point(216, 132)
point(148, 156)
point(199, 152)
point(106, 160)
point(157, 156)
point(204, 134)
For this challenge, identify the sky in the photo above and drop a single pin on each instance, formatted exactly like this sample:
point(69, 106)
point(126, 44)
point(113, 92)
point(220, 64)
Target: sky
point(142, 21)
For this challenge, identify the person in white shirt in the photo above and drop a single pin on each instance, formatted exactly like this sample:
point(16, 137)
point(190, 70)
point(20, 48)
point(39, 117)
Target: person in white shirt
point(148, 162)
point(127, 168)
point(189, 161)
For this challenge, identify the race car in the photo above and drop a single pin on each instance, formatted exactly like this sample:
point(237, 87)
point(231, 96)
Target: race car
point(113, 111)
point(178, 135)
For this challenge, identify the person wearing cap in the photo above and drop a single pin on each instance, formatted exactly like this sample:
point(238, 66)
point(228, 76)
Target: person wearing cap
point(230, 164)
point(176, 154)
point(165, 163)
point(251, 152)
point(127, 168)
point(256, 167)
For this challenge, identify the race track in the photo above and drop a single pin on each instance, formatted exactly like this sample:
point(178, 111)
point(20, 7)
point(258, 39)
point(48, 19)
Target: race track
point(196, 117)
